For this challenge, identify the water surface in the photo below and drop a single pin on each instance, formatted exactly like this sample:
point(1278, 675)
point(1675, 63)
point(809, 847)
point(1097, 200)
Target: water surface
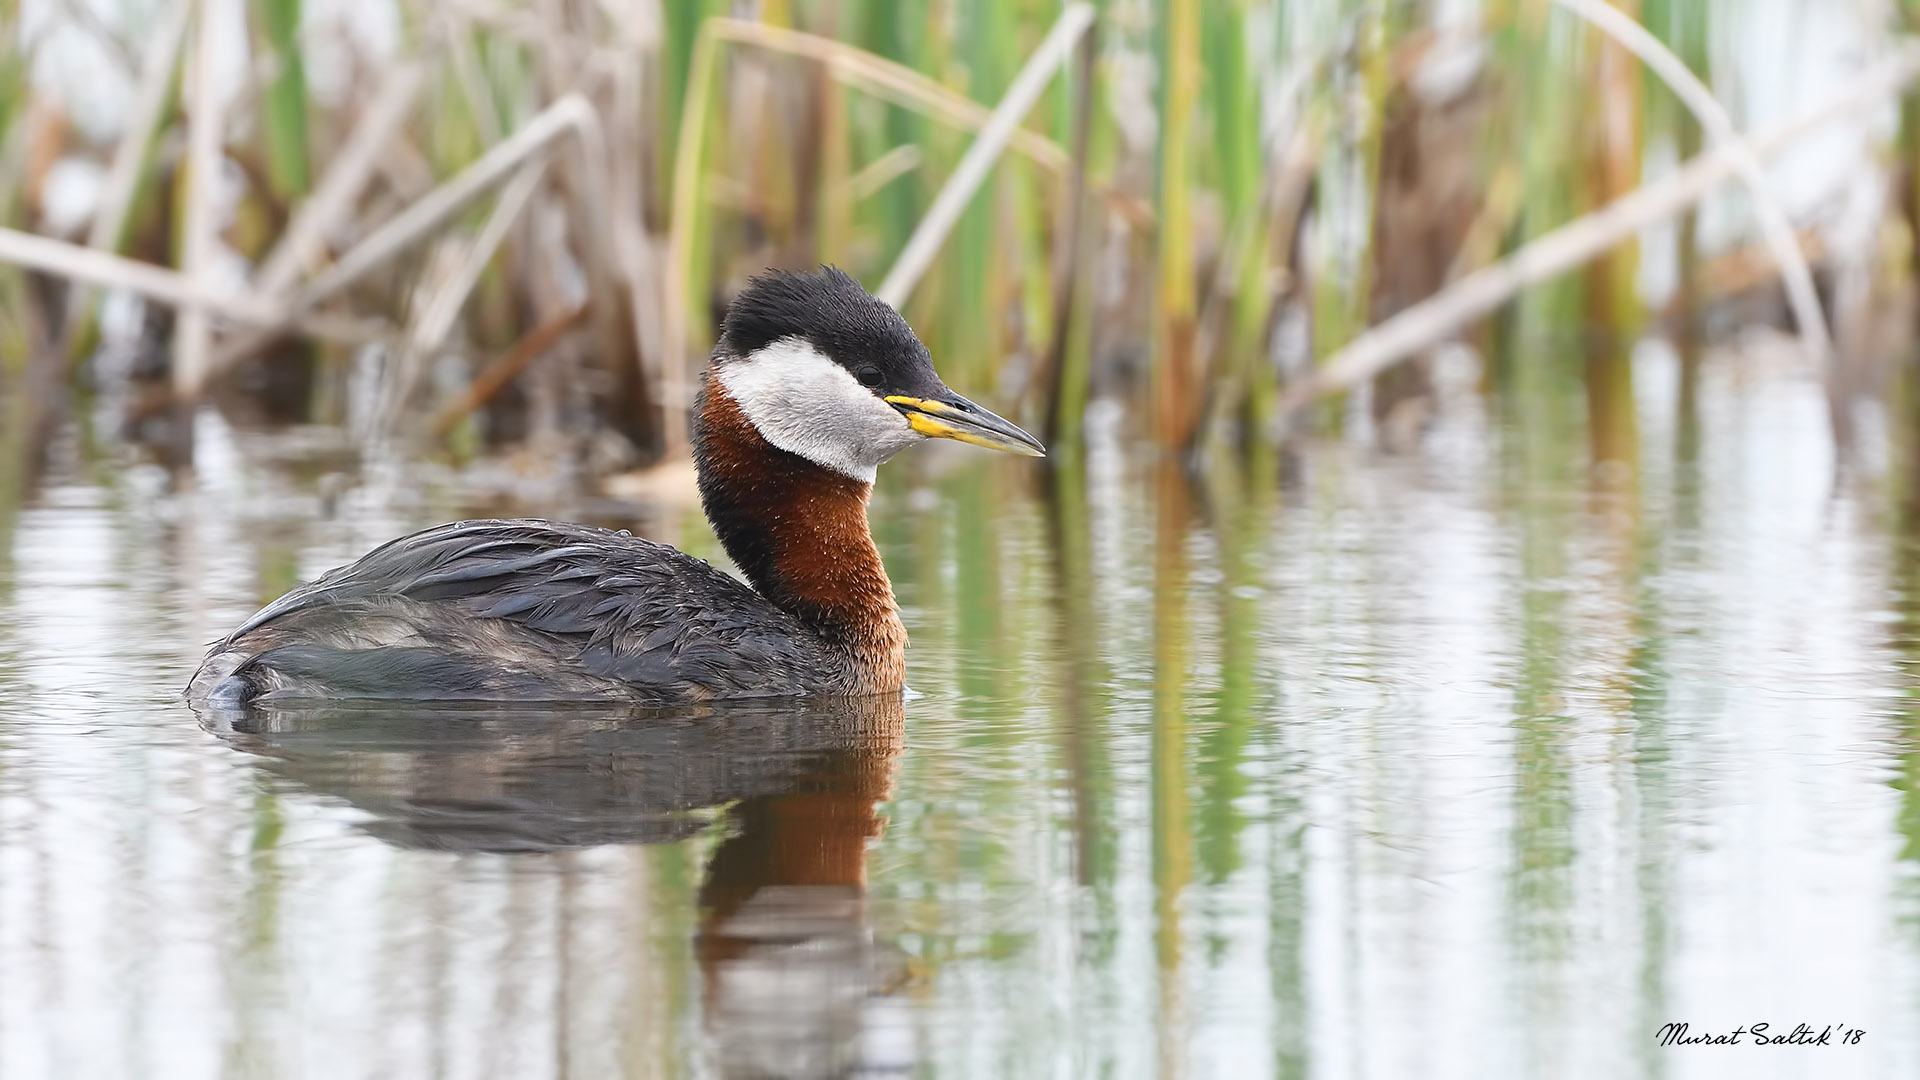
point(1460, 762)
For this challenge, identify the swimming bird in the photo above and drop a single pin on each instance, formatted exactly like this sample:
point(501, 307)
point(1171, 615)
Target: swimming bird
point(811, 387)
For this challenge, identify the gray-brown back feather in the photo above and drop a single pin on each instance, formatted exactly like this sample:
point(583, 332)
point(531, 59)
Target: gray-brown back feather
point(527, 609)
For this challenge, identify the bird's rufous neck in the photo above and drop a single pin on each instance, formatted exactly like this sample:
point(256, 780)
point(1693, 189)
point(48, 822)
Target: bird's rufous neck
point(798, 530)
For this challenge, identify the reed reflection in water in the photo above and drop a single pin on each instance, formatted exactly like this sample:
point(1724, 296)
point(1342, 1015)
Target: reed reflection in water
point(792, 981)
point(1471, 762)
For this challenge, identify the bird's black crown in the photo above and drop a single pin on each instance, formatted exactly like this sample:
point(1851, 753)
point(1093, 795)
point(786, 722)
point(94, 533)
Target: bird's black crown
point(841, 320)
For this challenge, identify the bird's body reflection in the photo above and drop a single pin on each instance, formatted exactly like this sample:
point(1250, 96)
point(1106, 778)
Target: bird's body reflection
point(794, 984)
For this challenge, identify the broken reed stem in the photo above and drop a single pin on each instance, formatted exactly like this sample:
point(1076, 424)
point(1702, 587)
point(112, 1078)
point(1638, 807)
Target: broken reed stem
point(130, 154)
point(149, 101)
point(438, 318)
point(1743, 268)
point(952, 201)
point(437, 315)
point(171, 287)
point(1434, 319)
point(432, 211)
point(884, 170)
point(510, 364)
point(303, 244)
point(887, 80)
point(884, 79)
point(1775, 229)
point(571, 114)
point(1282, 194)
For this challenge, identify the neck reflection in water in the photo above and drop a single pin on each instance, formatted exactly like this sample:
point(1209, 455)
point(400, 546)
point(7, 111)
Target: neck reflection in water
point(794, 983)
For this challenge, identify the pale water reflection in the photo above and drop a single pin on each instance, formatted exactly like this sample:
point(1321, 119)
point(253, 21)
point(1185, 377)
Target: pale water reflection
point(791, 980)
point(1450, 764)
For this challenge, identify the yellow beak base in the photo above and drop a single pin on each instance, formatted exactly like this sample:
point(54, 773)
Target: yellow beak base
point(939, 420)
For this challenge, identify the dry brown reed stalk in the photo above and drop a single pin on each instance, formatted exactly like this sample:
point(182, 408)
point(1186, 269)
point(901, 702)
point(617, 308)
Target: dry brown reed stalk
point(571, 115)
point(1775, 229)
point(883, 79)
point(175, 289)
point(888, 81)
point(1070, 280)
point(442, 307)
point(604, 228)
point(193, 332)
point(1175, 374)
point(149, 102)
point(438, 314)
point(1498, 211)
point(1277, 216)
point(875, 75)
point(269, 313)
point(302, 245)
point(638, 255)
point(1611, 151)
point(980, 157)
point(1747, 267)
point(508, 367)
point(122, 185)
point(883, 170)
point(1431, 321)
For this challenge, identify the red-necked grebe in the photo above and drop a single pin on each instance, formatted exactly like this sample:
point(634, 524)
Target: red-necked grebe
point(812, 386)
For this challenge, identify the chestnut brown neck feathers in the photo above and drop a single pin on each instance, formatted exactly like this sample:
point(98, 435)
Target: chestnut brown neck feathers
point(798, 531)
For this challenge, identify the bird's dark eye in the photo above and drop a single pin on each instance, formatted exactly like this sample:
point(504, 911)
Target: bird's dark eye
point(868, 376)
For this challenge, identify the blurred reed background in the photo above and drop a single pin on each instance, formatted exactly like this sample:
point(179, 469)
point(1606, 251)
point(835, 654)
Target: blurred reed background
point(464, 226)
point(1284, 700)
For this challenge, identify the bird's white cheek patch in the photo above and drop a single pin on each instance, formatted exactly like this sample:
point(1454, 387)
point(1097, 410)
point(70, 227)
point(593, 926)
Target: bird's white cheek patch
point(805, 404)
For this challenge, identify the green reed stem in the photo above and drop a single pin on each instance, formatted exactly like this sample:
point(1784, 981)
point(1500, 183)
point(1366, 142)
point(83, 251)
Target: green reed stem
point(283, 107)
